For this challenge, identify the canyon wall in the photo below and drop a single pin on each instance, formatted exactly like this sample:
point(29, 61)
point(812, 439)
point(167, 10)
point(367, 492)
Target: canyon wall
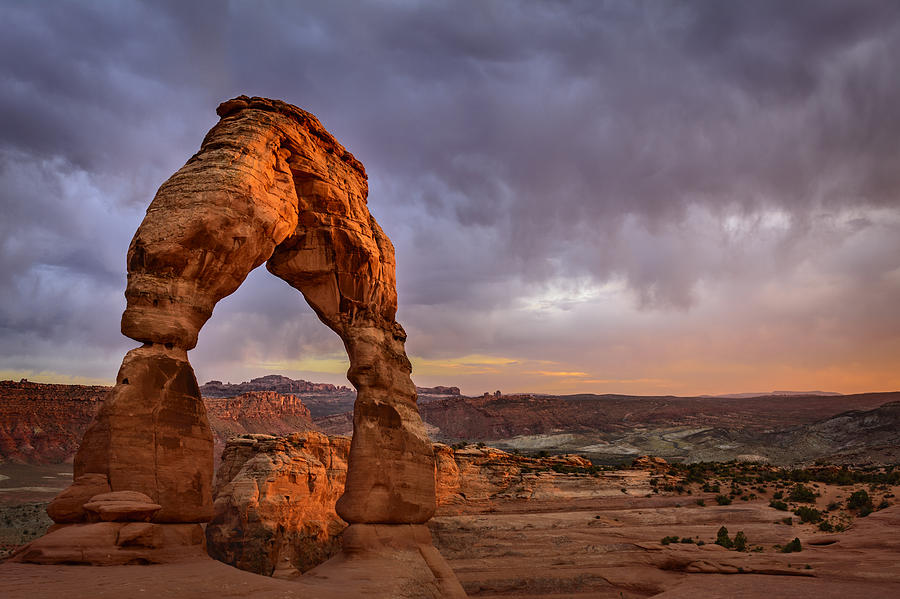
point(44, 423)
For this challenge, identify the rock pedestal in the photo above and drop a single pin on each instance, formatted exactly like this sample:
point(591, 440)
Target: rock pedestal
point(269, 185)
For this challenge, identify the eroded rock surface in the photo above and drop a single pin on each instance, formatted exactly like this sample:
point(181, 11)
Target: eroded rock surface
point(268, 185)
point(275, 496)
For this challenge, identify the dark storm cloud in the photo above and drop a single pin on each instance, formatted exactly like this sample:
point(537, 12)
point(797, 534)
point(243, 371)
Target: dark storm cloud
point(509, 144)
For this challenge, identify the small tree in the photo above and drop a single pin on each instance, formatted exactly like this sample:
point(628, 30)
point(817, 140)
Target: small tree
point(723, 539)
point(792, 547)
point(861, 502)
point(740, 541)
point(802, 494)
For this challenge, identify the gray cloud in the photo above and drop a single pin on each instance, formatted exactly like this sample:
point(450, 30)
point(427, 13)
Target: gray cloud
point(670, 148)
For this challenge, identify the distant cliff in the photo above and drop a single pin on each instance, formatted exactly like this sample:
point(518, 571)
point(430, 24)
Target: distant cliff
point(271, 382)
point(44, 423)
point(256, 412)
point(437, 390)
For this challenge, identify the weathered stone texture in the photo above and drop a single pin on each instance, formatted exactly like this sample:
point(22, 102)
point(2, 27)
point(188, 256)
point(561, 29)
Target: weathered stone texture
point(269, 185)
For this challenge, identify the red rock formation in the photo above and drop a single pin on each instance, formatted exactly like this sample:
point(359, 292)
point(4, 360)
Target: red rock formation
point(256, 412)
point(438, 390)
point(269, 184)
point(42, 423)
point(270, 382)
point(275, 496)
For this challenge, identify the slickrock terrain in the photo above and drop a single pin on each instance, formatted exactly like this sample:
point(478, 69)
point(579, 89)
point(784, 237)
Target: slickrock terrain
point(275, 496)
point(514, 526)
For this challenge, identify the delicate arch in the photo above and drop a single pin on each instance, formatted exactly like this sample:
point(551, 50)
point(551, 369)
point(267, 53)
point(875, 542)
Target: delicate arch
point(269, 184)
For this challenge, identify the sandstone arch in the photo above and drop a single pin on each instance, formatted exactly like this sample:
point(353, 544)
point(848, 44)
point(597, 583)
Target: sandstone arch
point(268, 185)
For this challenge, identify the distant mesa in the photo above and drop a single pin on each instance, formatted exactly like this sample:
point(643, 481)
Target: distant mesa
point(776, 393)
point(270, 382)
point(438, 390)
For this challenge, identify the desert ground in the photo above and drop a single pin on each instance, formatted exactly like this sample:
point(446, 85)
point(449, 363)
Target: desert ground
point(646, 531)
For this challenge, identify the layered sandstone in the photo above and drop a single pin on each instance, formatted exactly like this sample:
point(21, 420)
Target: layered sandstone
point(270, 382)
point(269, 185)
point(275, 496)
point(274, 506)
point(43, 423)
point(256, 412)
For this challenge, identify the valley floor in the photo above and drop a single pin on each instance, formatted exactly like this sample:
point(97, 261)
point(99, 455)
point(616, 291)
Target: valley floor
point(579, 536)
point(609, 545)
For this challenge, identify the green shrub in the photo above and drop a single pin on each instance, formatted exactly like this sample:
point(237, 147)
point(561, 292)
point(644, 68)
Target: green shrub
point(723, 499)
point(686, 540)
point(778, 505)
point(701, 503)
point(789, 521)
point(792, 547)
point(669, 539)
point(808, 514)
point(740, 541)
point(802, 494)
point(858, 500)
point(861, 502)
point(723, 539)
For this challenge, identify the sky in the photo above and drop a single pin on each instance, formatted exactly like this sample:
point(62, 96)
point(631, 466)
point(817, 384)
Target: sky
point(640, 197)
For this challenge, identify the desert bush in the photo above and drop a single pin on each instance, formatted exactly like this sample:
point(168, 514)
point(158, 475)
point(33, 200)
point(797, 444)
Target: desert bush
point(701, 503)
point(808, 514)
point(861, 502)
point(723, 499)
point(802, 494)
point(669, 539)
point(723, 539)
point(686, 540)
point(778, 505)
point(740, 541)
point(789, 521)
point(778, 495)
point(792, 547)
